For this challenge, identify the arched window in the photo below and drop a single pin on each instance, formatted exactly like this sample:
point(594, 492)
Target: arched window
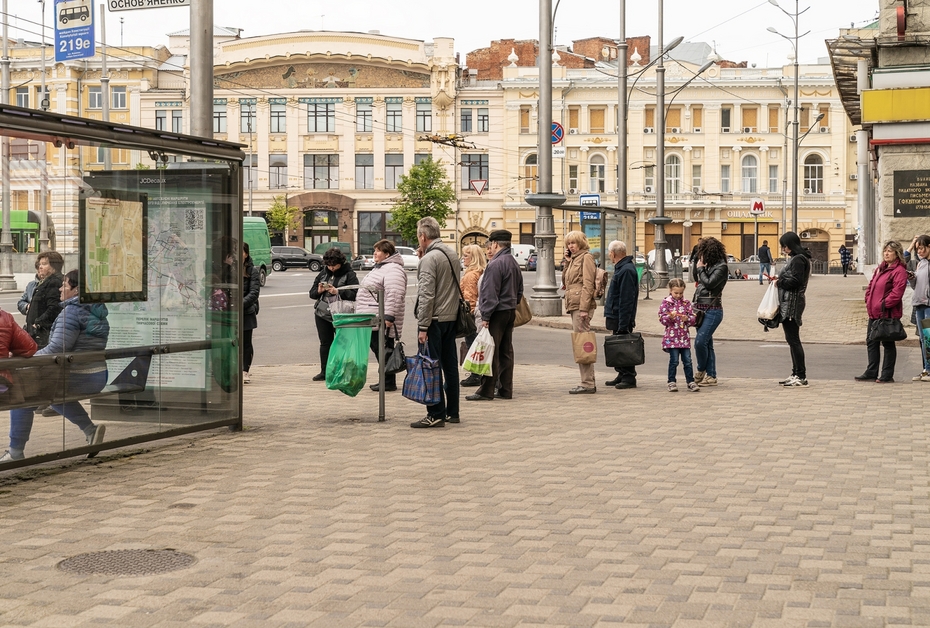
point(750, 174)
point(530, 173)
point(673, 174)
point(813, 174)
point(597, 174)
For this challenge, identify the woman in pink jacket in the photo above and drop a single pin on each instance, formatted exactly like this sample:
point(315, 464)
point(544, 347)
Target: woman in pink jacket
point(883, 300)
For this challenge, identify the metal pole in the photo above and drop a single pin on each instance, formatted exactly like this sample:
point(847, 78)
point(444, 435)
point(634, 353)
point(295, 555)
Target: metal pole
point(6, 240)
point(659, 221)
point(104, 80)
point(622, 131)
point(201, 66)
point(784, 184)
point(381, 352)
point(43, 104)
point(797, 107)
point(867, 239)
point(545, 300)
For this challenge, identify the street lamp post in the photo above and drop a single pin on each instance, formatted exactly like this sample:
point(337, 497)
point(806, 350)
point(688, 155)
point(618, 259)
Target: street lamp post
point(795, 18)
point(44, 105)
point(660, 219)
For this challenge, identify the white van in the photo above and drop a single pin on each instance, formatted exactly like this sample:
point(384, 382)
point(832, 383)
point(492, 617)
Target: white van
point(521, 253)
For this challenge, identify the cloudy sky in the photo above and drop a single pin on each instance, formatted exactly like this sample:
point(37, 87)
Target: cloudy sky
point(738, 28)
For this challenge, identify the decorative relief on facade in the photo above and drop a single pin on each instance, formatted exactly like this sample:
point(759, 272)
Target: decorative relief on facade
point(751, 140)
point(674, 139)
point(322, 75)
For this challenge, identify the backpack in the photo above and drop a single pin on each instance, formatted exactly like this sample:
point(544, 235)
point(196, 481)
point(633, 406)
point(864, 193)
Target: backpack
point(600, 282)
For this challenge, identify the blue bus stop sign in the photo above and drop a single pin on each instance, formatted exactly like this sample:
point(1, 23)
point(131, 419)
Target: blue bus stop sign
point(74, 29)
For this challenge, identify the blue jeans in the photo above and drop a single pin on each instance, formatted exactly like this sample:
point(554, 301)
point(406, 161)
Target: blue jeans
point(78, 383)
point(764, 269)
point(441, 340)
point(685, 356)
point(921, 312)
point(704, 342)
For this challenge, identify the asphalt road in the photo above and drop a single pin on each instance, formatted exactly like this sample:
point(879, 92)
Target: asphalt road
point(287, 335)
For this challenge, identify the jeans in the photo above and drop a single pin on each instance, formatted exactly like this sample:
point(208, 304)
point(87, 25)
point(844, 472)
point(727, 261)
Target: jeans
point(441, 340)
point(891, 355)
point(764, 269)
point(793, 338)
point(78, 383)
point(704, 342)
point(921, 312)
point(685, 356)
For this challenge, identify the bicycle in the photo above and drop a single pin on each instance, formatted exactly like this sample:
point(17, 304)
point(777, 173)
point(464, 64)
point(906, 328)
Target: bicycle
point(649, 281)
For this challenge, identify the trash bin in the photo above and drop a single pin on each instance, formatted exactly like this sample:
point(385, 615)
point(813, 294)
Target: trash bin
point(640, 267)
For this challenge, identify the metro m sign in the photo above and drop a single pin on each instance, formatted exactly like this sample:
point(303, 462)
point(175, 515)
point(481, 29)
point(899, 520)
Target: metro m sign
point(756, 207)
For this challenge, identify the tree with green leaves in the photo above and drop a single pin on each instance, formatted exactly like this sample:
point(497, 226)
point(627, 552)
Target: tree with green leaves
point(280, 216)
point(424, 191)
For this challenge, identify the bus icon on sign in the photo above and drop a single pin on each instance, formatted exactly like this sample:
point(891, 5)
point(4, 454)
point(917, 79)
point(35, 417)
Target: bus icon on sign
point(73, 12)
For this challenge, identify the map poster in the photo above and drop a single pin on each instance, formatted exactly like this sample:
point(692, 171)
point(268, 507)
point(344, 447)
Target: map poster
point(113, 247)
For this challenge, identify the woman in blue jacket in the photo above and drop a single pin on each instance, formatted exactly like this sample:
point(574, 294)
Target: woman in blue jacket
point(79, 327)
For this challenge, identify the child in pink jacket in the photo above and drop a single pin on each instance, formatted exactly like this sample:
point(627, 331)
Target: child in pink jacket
point(677, 315)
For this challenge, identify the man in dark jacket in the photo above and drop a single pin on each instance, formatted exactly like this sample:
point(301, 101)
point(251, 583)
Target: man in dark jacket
point(498, 297)
point(765, 261)
point(620, 306)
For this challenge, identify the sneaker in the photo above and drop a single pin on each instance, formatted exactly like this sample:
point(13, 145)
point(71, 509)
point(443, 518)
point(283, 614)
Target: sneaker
point(9, 456)
point(672, 387)
point(429, 421)
point(698, 377)
point(693, 387)
point(707, 380)
point(96, 437)
point(472, 380)
point(785, 381)
point(581, 390)
point(246, 378)
point(794, 381)
point(923, 377)
point(864, 378)
point(48, 411)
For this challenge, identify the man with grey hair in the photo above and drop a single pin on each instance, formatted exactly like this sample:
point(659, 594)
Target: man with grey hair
point(436, 310)
point(620, 305)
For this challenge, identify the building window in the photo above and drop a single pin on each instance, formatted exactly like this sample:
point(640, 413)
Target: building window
point(524, 119)
point(250, 172)
point(725, 179)
point(804, 118)
point(813, 174)
point(484, 121)
point(373, 226)
point(363, 117)
point(673, 174)
point(696, 183)
point(597, 173)
point(364, 172)
point(697, 119)
point(219, 118)
point(424, 117)
point(393, 169)
point(321, 118)
point(825, 112)
point(465, 121)
point(394, 122)
point(94, 98)
point(474, 168)
point(321, 172)
point(530, 173)
point(277, 171)
point(773, 119)
point(649, 178)
point(750, 174)
point(573, 113)
point(573, 178)
point(161, 120)
point(725, 115)
point(118, 97)
point(246, 118)
point(177, 121)
point(596, 117)
point(773, 179)
point(22, 97)
point(278, 118)
point(750, 119)
point(419, 158)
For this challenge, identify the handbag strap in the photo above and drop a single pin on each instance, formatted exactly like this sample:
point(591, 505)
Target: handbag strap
point(452, 268)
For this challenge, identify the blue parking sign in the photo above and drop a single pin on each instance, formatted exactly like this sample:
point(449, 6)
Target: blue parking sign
point(74, 29)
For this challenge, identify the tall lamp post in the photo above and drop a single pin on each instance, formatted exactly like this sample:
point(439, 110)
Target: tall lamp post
point(44, 105)
point(795, 18)
point(660, 219)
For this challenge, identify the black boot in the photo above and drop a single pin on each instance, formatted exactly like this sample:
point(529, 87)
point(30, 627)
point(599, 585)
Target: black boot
point(472, 380)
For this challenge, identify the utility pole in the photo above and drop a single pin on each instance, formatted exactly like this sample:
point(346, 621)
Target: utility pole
point(201, 66)
point(44, 105)
point(104, 81)
point(7, 282)
point(660, 220)
point(622, 131)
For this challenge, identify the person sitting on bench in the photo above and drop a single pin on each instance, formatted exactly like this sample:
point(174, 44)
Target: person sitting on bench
point(79, 327)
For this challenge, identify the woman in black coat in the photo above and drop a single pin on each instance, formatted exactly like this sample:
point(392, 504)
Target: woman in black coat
point(46, 299)
point(337, 272)
point(792, 284)
point(710, 275)
point(251, 286)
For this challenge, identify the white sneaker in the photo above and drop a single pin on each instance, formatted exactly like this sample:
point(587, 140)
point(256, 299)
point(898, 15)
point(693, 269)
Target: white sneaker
point(96, 437)
point(246, 378)
point(672, 387)
point(693, 387)
point(923, 377)
point(795, 381)
point(8, 456)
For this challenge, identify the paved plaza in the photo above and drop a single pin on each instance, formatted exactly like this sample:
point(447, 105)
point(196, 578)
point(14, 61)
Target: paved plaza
point(744, 505)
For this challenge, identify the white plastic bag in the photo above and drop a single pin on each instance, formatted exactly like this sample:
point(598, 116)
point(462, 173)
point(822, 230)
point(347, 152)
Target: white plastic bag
point(769, 306)
point(479, 356)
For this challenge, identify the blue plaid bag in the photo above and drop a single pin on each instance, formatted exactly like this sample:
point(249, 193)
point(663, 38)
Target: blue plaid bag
point(423, 383)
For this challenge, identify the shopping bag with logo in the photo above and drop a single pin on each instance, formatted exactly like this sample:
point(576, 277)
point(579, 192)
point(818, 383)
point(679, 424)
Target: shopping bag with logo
point(584, 347)
point(480, 354)
point(423, 383)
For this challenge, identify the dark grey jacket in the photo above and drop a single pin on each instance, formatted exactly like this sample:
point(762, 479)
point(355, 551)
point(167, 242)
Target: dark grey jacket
point(501, 285)
point(622, 297)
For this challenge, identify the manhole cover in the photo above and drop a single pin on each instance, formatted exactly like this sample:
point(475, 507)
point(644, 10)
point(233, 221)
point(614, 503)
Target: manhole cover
point(127, 562)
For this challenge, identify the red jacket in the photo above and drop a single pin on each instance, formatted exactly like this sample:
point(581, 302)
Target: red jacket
point(15, 340)
point(883, 296)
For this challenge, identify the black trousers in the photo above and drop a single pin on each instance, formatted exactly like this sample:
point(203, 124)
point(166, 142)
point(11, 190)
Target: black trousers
point(627, 374)
point(390, 379)
point(441, 340)
point(501, 329)
point(793, 338)
point(326, 333)
point(247, 351)
point(891, 355)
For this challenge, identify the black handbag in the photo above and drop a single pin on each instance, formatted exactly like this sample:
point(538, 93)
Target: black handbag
point(625, 350)
point(464, 321)
point(396, 360)
point(887, 330)
point(698, 318)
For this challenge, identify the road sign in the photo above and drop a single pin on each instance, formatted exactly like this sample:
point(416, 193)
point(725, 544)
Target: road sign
point(129, 5)
point(74, 29)
point(589, 216)
point(478, 185)
point(558, 152)
point(557, 132)
point(589, 200)
point(756, 207)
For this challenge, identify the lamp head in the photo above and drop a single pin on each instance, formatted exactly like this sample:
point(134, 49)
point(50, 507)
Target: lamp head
point(704, 67)
point(775, 2)
point(771, 29)
point(674, 43)
point(819, 118)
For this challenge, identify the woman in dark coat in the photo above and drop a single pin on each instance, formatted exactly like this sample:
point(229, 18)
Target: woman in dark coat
point(46, 299)
point(336, 272)
point(251, 286)
point(792, 284)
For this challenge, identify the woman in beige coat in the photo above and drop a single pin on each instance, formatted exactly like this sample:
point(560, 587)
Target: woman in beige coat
point(578, 280)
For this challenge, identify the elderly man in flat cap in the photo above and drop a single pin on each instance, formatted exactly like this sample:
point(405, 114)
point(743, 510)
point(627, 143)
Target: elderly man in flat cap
point(498, 296)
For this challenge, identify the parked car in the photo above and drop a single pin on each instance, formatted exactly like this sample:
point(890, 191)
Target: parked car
point(363, 262)
point(255, 233)
point(284, 257)
point(345, 247)
point(409, 255)
point(521, 253)
point(531, 261)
